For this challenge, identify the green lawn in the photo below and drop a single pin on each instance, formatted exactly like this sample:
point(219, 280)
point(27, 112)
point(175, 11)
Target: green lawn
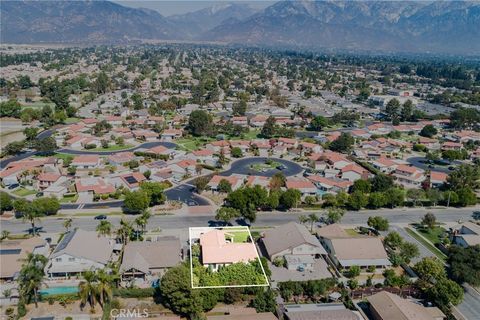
point(426, 244)
point(63, 156)
point(239, 236)
point(265, 166)
point(22, 192)
point(192, 143)
point(434, 235)
point(72, 120)
point(69, 198)
point(113, 148)
point(352, 232)
point(252, 134)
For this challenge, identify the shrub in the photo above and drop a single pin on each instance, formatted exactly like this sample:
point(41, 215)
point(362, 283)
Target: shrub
point(133, 292)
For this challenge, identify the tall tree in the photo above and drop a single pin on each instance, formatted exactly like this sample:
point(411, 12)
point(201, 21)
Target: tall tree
point(31, 277)
point(88, 290)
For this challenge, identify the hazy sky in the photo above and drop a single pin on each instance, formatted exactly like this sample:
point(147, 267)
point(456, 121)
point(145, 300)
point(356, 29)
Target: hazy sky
point(169, 7)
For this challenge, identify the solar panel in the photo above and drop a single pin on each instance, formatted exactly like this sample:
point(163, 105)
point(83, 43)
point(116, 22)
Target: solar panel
point(10, 251)
point(131, 179)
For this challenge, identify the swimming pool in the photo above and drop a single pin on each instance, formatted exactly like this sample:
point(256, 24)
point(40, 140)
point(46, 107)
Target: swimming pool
point(58, 290)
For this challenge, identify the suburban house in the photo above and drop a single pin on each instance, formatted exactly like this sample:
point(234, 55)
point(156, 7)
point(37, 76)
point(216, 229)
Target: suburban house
point(93, 185)
point(171, 134)
point(217, 251)
point(353, 172)
point(295, 243)
point(466, 234)
point(383, 164)
point(79, 251)
point(409, 177)
point(150, 259)
point(244, 314)
point(131, 180)
point(14, 252)
point(388, 306)
point(118, 159)
point(437, 179)
point(236, 181)
point(305, 186)
point(346, 250)
point(320, 311)
point(86, 162)
point(330, 185)
point(46, 179)
point(258, 181)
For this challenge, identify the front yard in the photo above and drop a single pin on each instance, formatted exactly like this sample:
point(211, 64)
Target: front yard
point(22, 192)
point(435, 235)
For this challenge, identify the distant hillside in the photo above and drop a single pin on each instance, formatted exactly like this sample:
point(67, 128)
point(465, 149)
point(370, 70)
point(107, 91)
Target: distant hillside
point(409, 26)
point(80, 21)
point(197, 22)
point(442, 26)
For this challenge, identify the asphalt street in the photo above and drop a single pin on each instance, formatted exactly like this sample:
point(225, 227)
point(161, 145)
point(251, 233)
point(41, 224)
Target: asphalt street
point(420, 162)
point(186, 194)
point(470, 307)
point(55, 224)
point(145, 145)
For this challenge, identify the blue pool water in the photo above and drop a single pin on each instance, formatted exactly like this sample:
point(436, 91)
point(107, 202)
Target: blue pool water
point(58, 290)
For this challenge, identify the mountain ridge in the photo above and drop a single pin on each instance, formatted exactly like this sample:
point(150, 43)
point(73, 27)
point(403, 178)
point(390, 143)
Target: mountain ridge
point(409, 26)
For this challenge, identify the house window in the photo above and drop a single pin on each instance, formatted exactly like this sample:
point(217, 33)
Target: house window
point(71, 259)
point(58, 259)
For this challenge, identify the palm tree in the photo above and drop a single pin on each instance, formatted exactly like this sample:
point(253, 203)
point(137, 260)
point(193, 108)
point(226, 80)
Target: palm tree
point(104, 228)
point(313, 218)
point(31, 277)
point(67, 224)
point(87, 289)
point(31, 215)
point(303, 219)
point(105, 287)
point(142, 221)
point(124, 231)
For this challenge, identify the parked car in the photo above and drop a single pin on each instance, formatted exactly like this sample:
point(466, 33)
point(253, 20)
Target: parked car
point(281, 167)
point(101, 217)
point(476, 215)
point(13, 186)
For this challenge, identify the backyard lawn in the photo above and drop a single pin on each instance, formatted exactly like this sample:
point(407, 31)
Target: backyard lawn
point(22, 192)
point(239, 236)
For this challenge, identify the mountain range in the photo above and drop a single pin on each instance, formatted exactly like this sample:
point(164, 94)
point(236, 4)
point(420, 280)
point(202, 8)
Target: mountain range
point(408, 26)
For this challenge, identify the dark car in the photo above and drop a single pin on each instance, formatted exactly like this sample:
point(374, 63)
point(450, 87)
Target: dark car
point(281, 167)
point(476, 215)
point(13, 186)
point(451, 168)
point(101, 217)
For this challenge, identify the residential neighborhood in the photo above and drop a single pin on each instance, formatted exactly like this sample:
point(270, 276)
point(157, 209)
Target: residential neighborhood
point(208, 181)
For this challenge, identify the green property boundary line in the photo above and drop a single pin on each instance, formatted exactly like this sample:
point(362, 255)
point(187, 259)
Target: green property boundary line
point(235, 228)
